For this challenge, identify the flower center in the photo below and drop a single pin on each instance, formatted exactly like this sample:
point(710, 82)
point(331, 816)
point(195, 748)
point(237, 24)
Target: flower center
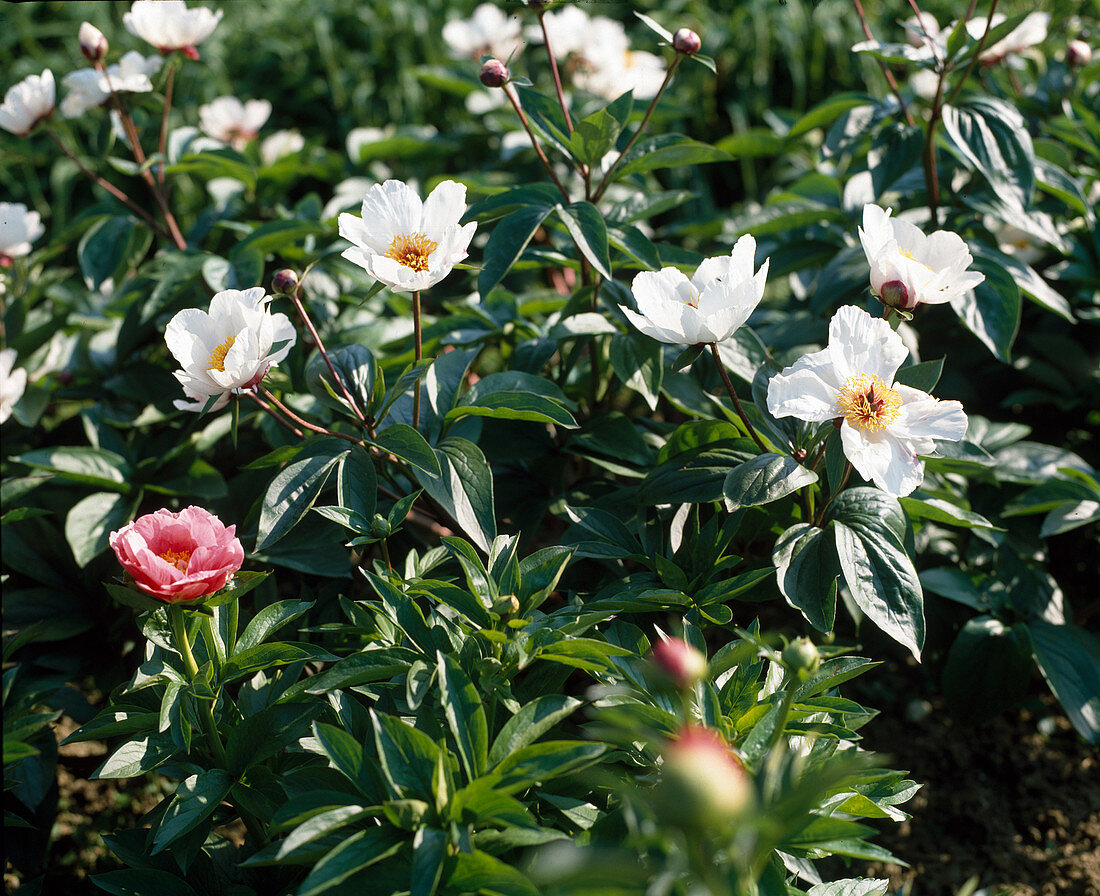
point(867, 403)
point(412, 250)
point(178, 559)
point(217, 357)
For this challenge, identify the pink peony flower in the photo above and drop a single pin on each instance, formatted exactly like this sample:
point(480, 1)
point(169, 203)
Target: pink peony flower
point(682, 663)
point(178, 556)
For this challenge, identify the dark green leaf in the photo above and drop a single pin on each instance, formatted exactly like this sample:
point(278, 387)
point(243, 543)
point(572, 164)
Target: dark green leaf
point(465, 715)
point(586, 226)
point(764, 479)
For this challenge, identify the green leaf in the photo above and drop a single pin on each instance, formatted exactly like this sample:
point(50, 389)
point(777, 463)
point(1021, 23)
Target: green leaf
point(357, 482)
point(992, 310)
point(479, 872)
point(464, 488)
point(638, 362)
point(923, 376)
point(1069, 658)
point(136, 757)
point(828, 111)
point(212, 163)
point(465, 715)
point(402, 441)
point(851, 887)
point(269, 620)
point(362, 668)
point(429, 854)
point(515, 395)
point(988, 668)
point(806, 570)
point(529, 724)
point(361, 850)
point(91, 520)
point(595, 135)
point(354, 365)
point(277, 236)
point(764, 479)
point(694, 476)
point(142, 882)
point(921, 506)
point(271, 731)
point(506, 244)
point(195, 800)
point(507, 201)
point(292, 492)
point(991, 136)
point(883, 582)
point(346, 755)
point(83, 465)
point(540, 762)
point(586, 226)
point(668, 151)
point(408, 756)
point(267, 656)
point(107, 246)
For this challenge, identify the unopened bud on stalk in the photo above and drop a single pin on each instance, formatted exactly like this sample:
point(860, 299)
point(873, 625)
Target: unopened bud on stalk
point(506, 605)
point(92, 42)
point(686, 41)
point(1078, 53)
point(494, 73)
point(703, 784)
point(380, 526)
point(285, 281)
point(680, 662)
point(895, 294)
point(801, 657)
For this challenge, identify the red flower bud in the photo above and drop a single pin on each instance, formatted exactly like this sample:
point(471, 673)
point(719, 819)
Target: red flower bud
point(1078, 53)
point(285, 281)
point(686, 41)
point(682, 663)
point(895, 294)
point(703, 783)
point(92, 42)
point(494, 73)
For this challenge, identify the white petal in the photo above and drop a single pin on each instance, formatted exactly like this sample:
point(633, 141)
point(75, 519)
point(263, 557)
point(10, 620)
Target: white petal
point(390, 209)
point(882, 459)
point(445, 205)
point(807, 389)
point(865, 344)
point(924, 417)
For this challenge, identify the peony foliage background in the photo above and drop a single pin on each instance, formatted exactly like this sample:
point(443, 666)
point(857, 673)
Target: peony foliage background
point(611, 505)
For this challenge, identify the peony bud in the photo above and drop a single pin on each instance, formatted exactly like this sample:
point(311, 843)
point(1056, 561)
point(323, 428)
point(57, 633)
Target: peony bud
point(506, 605)
point(1078, 53)
point(285, 282)
point(703, 784)
point(92, 42)
point(895, 294)
point(494, 73)
point(801, 657)
point(680, 662)
point(380, 526)
point(686, 41)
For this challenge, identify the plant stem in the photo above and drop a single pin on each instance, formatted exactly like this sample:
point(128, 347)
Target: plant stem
point(606, 182)
point(206, 709)
point(310, 426)
point(890, 79)
point(162, 141)
point(977, 52)
point(275, 415)
point(510, 92)
point(418, 354)
point(554, 69)
point(119, 194)
point(232, 610)
point(836, 491)
point(733, 395)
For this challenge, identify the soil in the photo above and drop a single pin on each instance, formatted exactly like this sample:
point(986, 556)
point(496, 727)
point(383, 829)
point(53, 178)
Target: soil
point(1012, 806)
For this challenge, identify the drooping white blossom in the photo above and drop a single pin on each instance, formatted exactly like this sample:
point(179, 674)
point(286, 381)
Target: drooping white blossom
point(911, 266)
point(89, 87)
point(27, 103)
point(407, 243)
point(233, 122)
point(488, 32)
point(19, 227)
point(169, 25)
point(228, 348)
point(1031, 31)
point(708, 307)
point(13, 382)
point(884, 426)
point(279, 144)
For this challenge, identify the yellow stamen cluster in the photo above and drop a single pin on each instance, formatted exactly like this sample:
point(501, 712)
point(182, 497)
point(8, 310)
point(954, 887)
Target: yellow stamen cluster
point(178, 559)
point(867, 403)
point(217, 357)
point(412, 250)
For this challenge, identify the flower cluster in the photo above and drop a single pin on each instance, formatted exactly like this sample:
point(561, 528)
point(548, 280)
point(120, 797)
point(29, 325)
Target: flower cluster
point(91, 87)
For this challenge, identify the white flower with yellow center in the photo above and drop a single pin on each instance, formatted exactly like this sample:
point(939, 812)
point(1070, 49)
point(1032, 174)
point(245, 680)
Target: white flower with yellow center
point(228, 348)
point(169, 25)
point(407, 243)
point(709, 307)
point(884, 425)
point(233, 122)
point(908, 267)
point(27, 103)
point(19, 227)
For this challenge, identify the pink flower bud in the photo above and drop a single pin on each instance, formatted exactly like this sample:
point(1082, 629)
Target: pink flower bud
point(703, 783)
point(686, 41)
point(1078, 53)
point(494, 73)
point(285, 281)
point(92, 42)
point(682, 663)
point(895, 294)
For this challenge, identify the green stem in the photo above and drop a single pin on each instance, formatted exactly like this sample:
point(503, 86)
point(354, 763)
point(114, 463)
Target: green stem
point(733, 395)
point(176, 615)
point(232, 611)
point(510, 92)
point(418, 354)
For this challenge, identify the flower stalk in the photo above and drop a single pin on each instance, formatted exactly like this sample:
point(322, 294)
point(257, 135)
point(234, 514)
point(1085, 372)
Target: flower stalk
point(510, 92)
point(733, 396)
point(418, 353)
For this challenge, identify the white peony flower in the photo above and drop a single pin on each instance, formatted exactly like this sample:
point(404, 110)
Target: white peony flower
point(884, 425)
point(228, 348)
point(233, 122)
point(13, 382)
point(617, 73)
point(709, 307)
point(169, 25)
point(408, 244)
point(488, 32)
point(19, 227)
point(908, 267)
point(279, 144)
point(27, 103)
point(1031, 31)
point(89, 87)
